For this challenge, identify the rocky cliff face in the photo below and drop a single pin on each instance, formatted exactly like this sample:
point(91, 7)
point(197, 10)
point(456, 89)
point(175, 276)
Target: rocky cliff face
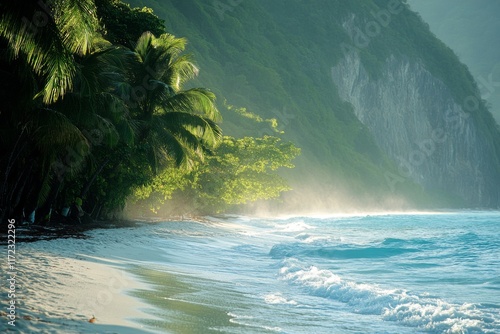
point(417, 122)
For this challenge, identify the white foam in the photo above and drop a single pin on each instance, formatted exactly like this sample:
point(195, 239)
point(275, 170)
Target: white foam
point(297, 226)
point(439, 316)
point(393, 305)
point(243, 321)
point(277, 298)
point(235, 316)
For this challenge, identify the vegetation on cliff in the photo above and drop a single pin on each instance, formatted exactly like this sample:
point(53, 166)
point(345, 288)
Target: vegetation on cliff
point(275, 58)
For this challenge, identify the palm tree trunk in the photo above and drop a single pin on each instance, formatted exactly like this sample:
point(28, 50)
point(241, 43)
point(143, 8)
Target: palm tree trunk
point(14, 155)
point(20, 191)
point(5, 197)
point(93, 178)
point(46, 209)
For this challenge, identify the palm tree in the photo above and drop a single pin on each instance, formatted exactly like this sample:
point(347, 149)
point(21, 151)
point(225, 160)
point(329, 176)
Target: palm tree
point(48, 35)
point(173, 123)
point(177, 123)
point(40, 41)
point(71, 85)
point(96, 109)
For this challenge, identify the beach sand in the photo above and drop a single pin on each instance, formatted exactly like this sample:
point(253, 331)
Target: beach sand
point(61, 284)
point(118, 275)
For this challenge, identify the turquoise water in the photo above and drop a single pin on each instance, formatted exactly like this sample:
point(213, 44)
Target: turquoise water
point(411, 273)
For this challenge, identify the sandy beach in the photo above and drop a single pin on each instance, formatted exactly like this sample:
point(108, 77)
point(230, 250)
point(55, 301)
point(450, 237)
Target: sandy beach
point(118, 277)
point(61, 284)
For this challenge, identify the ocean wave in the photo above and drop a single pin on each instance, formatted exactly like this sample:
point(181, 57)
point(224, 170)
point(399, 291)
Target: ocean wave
point(315, 238)
point(407, 242)
point(249, 321)
point(277, 298)
point(410, 309)
point(336, 252)
point(296, 226)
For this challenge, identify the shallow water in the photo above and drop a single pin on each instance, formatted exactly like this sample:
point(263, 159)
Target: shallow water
point(412, 273)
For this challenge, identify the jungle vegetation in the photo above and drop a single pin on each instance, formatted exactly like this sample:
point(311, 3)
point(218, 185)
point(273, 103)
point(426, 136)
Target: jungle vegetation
point(98, 106)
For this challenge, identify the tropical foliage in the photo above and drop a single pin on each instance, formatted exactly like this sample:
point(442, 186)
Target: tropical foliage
point(242, 171)
point(94, 106)
point(40, 58)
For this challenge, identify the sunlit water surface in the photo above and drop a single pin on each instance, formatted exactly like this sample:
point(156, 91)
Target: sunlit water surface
point(411, 273)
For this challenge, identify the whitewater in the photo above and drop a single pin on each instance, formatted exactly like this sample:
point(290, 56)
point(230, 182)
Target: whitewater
point(381, 273)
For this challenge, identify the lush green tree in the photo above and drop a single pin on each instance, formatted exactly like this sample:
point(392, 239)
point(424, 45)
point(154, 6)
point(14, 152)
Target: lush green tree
point(242, 171)
point(63, 134)
point(96, 108)
point(124, 25)
point(81, 97)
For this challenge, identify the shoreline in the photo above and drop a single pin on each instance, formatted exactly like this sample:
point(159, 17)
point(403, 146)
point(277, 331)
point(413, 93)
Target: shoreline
point(60, 284)
point(177, 277)
point(27, 232)
point(64, 280)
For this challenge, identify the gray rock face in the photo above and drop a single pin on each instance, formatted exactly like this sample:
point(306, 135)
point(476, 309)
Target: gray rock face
point(416, 121)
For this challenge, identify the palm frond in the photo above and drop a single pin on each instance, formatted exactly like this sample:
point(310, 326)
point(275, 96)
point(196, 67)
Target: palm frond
point(77, 21)
point(60, 72)
point(143, 45)
point(68, 28)
point(171, 44)
point(42, 48)
point(113, 107)
point(195, 100)
point(207, 130)
point(54, 131)
point(127, 130)
point(100, 70)
point(180, 70)
point(116, 57)
point(162, 147)
point(108, 131)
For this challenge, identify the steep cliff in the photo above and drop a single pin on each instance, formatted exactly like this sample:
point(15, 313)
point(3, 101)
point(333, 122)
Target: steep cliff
point(416, 121)
point(380, 107)
point(469, 27)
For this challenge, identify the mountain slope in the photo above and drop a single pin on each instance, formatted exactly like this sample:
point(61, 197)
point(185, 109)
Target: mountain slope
point(470, 28)
point(323, 69)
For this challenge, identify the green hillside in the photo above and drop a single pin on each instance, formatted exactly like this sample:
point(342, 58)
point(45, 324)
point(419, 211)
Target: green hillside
point(258, 55)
